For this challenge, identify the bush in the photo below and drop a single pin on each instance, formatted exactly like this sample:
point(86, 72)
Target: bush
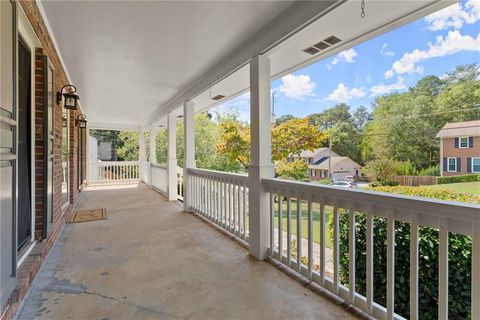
point(296, 170)
point(430, 171)
point(380, 170)
point(459, 260)
point(405, 168)
point(457, 179)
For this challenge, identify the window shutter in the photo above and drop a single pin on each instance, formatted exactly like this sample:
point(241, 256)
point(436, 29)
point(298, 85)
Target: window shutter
point(469, 165)
point(470, 142)
point(445, 164)
point(459, 164)
point(456, 142)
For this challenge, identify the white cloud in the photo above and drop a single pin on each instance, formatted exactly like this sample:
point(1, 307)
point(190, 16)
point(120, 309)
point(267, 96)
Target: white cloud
point(454, 42)
point(297, 87)
point(454, 16)
point(343, 94)
point(383, 52)
point(348, 56)
point(381, 88)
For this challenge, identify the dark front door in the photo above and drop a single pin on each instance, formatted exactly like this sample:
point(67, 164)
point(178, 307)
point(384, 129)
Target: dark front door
point(24, 145)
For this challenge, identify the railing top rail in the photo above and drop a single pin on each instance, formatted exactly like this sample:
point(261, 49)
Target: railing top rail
point(158, 165)
point(219, 174)
point(440, 208)
point(113, 163)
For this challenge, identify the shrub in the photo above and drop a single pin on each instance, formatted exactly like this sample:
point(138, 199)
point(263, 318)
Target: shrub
point(295, 170)
point(380, 170)
point(430, 171)
point(457, 179)
point(459, 259)
point(405, 168)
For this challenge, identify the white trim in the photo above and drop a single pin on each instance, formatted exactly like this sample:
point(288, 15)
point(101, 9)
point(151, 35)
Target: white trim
point(473, 171)
point(448, 164)
point(460, 142)
point(26, 253)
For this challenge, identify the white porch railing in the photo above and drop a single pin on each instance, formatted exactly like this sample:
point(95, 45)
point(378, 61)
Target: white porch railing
point(159, 179)
point(221, 198)
point(159, 176)
point(180, 184)
point(114, 172)
point(418, 212)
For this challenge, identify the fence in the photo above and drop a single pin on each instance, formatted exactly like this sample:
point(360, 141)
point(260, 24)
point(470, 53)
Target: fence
point(415, 180)
point(114, 172)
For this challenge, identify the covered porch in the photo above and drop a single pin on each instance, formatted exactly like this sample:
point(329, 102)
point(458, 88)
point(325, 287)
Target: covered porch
point(187, 242)
point(151, 260)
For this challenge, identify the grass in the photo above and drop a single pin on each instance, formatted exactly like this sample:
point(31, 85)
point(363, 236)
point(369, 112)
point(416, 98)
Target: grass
point(304, 222)
point(466, 187)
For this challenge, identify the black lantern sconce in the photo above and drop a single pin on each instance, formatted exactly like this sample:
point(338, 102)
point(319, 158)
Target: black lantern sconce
point(71, 99)
point(64, 120)
point(81, 121)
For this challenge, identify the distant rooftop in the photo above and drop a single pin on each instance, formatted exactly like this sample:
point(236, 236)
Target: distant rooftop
point(457, 129)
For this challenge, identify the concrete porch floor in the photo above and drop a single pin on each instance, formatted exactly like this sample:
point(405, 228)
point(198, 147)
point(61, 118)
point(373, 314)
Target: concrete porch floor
point(149, 260)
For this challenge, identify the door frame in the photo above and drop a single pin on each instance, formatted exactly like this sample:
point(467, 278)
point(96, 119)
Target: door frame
point(30, 39)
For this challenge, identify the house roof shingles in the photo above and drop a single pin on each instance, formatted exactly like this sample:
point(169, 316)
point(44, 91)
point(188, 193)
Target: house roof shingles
point(459, 129)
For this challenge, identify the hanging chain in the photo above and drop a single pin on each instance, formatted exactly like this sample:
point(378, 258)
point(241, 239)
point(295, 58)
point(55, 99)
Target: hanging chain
point(362, 15)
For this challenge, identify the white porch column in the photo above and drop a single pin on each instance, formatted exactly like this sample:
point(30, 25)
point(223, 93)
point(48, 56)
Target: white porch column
point(189, 151)
point(172, 158)
point(261, 156)
point(142, 156)
point(153, 143)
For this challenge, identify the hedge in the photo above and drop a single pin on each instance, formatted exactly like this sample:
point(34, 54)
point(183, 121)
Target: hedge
point(456, 179)
point(459, 260)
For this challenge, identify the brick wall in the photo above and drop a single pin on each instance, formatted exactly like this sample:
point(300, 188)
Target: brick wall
point(28, 270)
point(449, 150)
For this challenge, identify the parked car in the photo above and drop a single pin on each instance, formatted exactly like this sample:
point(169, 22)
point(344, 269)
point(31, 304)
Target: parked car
point(344, 184)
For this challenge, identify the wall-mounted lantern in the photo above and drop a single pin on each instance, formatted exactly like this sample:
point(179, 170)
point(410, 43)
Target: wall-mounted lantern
point(71, 99)
point(64, 120)
point(81, 121)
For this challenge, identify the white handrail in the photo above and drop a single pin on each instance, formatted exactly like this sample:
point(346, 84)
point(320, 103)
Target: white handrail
point(114, 172)
point(446, 216)
point(222, 198)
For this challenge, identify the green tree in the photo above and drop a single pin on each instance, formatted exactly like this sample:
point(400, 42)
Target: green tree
point(405, 125)
point(290, 137)
point(128, 147)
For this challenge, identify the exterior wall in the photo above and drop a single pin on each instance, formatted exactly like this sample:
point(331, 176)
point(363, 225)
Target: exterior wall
point(29, 268)
point(449, 150)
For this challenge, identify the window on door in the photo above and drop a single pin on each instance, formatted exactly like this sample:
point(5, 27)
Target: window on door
point(65, 151)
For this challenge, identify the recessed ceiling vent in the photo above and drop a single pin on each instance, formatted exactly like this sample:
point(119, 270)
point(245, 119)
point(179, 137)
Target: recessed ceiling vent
point(311, 50)
point(322, 45)
point(218, 97)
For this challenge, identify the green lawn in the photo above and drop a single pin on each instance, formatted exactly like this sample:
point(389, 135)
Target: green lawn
point(316, 221)
point(467, 187)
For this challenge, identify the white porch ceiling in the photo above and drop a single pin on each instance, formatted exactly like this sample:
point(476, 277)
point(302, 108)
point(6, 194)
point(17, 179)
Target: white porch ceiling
point(128, 58)
point(135, 61)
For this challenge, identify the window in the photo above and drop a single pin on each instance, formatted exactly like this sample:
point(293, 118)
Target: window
point(476, 164)
point(65, 151)
point(464, 142)
point(452, 165)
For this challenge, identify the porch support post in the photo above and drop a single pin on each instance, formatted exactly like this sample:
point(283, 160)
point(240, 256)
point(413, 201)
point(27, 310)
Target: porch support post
point(261, 166)
point(142, 156)
point(172, 158)
point(153, 143)
point(189, 152)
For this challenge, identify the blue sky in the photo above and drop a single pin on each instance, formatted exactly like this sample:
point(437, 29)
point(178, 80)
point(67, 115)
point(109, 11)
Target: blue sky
point(389, 63)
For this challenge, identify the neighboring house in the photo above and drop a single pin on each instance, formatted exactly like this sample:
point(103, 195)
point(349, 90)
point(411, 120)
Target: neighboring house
point(313, 157)
point(460, 148)
point(318, 164)
point(342, 167)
